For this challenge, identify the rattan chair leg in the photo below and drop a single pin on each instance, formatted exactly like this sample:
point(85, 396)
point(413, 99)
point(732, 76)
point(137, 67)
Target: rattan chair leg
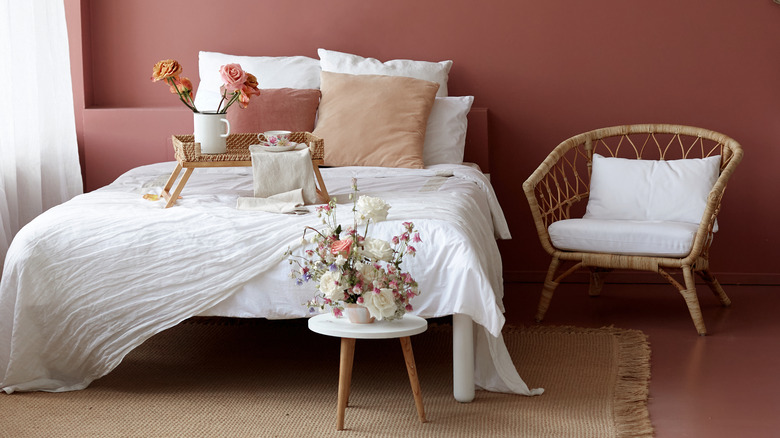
point(547, 291)
point(715, 287)
point(691, 299)
point(597, 281)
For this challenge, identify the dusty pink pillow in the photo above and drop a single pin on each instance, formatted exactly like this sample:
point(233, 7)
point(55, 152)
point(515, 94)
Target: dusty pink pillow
point(288, 109)
point(374, 120)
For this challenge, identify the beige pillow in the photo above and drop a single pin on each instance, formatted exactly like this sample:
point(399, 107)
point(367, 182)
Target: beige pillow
point(374, 120)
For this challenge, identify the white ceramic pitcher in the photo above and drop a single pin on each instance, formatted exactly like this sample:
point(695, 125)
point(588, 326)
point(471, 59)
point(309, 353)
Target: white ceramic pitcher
point(209, 132)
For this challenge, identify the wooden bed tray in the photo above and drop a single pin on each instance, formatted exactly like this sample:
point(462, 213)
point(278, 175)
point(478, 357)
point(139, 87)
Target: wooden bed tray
point(189, 157)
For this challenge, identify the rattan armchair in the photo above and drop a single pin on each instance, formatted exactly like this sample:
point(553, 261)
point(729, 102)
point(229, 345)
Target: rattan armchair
point(559, 189)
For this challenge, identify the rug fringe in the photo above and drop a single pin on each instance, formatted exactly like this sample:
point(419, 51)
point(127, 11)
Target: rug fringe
point(631, 391)
point(632, 386)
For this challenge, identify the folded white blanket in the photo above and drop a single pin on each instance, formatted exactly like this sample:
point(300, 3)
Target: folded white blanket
point(287, 202)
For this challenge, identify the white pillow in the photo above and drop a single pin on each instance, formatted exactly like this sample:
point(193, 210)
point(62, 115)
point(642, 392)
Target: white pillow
point(445, 135)
point(271, 72)
point(338, 62)
point(651, 190)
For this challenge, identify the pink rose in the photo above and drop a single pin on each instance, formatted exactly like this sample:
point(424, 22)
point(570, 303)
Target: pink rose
point(341, 247)
point(233, 76)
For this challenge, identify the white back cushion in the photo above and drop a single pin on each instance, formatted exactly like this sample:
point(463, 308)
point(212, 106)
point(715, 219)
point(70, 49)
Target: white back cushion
point(445, 135)
point(338, 62)
point(651, 190)
point(271, 72)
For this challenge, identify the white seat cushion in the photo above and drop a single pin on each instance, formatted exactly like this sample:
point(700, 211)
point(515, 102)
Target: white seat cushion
point(647, 238)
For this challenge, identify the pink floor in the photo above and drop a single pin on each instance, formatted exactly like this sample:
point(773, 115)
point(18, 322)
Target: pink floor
point(725, 384)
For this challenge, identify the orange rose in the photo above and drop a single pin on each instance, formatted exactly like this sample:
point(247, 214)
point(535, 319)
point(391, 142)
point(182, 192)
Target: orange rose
point(251, 80)
point(248, 90)
point(181, 85)
point(165, 69)
point(243, 100)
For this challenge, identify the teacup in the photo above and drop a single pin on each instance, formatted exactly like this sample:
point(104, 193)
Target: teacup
point(277, 138)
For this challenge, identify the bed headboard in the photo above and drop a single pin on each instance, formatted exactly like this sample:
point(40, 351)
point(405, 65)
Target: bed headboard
point(477, 139)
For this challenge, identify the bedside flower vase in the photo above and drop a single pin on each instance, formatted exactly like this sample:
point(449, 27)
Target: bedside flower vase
point(211, 131)
point(358, 314)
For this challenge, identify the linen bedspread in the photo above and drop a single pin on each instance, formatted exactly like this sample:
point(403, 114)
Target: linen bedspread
point(89, 280)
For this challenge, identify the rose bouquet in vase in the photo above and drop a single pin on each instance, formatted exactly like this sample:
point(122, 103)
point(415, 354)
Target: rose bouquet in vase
point(349, 267)
point(239, 86)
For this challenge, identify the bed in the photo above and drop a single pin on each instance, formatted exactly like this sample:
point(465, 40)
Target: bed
point(89, 280)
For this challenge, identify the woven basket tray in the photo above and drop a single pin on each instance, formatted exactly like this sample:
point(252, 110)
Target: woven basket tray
point(186, 150)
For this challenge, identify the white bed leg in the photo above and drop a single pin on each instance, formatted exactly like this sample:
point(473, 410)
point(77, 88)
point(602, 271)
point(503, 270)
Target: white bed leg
point(462, 358)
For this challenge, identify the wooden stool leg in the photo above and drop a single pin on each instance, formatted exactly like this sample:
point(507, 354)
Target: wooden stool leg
point(411, 368)
point(345, 378)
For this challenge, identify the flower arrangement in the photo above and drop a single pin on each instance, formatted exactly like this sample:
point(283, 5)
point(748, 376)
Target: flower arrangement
point(347, 267)
point(239, 86)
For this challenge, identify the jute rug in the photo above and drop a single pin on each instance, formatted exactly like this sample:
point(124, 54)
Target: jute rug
point(207, 378)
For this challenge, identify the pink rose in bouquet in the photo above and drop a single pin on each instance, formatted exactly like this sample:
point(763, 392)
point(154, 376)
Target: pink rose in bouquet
point(341, 247)
point(233, 77)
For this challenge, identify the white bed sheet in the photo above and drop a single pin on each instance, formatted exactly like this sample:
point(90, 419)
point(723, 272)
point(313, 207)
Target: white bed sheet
point(89, 280)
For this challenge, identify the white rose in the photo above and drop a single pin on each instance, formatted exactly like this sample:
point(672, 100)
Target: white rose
point(380, 305)
point(377, 249)
point(371, 208)
point(369, 272)
point(329, 285)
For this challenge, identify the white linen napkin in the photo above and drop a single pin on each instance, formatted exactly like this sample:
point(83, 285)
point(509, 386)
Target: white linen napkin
point(286, 202)
point(279, 172)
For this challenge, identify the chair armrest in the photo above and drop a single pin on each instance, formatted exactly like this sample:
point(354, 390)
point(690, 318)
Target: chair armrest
point(561, 181)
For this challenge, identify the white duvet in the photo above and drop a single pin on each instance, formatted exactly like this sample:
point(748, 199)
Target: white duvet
point(87, 281)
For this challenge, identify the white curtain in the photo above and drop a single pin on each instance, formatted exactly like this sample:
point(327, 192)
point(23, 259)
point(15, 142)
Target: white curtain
point(39, 166)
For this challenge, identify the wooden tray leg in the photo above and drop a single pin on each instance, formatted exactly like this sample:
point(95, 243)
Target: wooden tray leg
point(172, 197)
point(322, 191)
point(172, 179)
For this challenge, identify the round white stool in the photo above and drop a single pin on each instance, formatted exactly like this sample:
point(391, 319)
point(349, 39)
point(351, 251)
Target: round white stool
point(327, 324)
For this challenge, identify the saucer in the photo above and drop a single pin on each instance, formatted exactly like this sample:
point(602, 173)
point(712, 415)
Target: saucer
point(265, 146)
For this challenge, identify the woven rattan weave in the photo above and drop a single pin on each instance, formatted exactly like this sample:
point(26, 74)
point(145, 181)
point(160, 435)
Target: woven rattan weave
point(186, 150)
point(559, 189)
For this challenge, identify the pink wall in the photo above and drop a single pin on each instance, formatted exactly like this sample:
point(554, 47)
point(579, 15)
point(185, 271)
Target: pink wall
point(546, 70)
